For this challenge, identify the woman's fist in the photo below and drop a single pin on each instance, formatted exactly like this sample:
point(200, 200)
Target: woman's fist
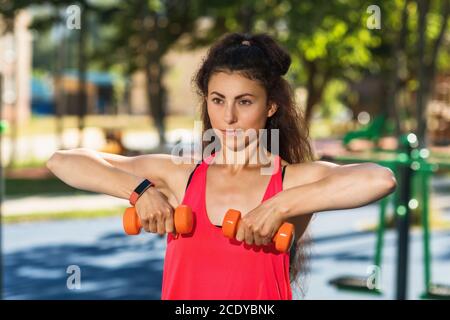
point(155, 212)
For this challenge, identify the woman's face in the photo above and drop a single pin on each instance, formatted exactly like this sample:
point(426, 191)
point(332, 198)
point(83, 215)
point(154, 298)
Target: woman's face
point(237, 103)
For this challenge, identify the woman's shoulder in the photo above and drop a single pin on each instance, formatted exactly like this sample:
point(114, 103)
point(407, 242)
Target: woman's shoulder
point(181, 164)
point(174, 172)
point(165, 164)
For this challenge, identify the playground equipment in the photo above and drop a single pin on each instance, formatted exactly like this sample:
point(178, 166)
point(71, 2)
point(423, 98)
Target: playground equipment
point(283, 238)
point(373, 131)
point(432, 290)
point(412, 168)
point(3, 126)
point(183, 220)
point(360, 283)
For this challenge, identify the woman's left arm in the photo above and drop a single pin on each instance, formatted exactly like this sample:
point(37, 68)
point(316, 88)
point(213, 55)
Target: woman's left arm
point(318, 186)
point(343, 187)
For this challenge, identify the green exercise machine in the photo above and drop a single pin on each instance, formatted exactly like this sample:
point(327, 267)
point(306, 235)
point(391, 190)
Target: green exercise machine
point(412, 168)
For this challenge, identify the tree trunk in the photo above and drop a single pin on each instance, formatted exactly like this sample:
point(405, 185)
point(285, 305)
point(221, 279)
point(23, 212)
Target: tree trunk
point(82, 101)
point(427, 68)
point(246, 16)
point(399, 63)
point(315, 89)
point(154, 71)
point(157, 94)
point(59, 92)
point(423, 7)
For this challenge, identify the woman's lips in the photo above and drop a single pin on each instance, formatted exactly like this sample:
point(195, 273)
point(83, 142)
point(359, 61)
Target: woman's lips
point(231, 133)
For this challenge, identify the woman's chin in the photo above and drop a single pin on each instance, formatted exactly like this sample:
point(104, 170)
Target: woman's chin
point(235, 146)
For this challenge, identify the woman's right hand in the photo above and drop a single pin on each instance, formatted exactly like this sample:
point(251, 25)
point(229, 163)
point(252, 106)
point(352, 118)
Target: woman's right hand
point(155, 212)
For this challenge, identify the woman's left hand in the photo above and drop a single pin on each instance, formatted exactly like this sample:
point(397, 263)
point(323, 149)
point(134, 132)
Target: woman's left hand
point(260, 224)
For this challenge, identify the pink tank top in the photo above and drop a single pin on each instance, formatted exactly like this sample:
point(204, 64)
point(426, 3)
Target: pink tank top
point(205, 265)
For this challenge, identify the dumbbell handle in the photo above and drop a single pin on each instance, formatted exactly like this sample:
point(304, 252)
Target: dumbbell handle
point(183, 220)
point(283, 238)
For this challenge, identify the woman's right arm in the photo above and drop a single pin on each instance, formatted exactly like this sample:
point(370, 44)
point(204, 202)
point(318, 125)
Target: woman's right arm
point(84, 169)
point(118, 176)
point(110, 174)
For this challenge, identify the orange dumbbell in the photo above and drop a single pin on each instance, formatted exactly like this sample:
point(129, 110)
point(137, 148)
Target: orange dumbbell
point(283, 238)
point(182, 219)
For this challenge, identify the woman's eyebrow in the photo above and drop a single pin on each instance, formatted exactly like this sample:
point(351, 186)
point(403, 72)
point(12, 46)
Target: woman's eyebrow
point(237, 97)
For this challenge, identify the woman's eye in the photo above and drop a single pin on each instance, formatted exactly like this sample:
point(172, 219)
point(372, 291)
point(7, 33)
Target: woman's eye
point(216, 100)
point(246, 102)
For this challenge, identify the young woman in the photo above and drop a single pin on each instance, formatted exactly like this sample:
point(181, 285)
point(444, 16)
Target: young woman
point(242, 88)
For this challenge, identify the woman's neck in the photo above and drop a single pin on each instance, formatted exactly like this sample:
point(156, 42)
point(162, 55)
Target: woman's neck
point(252, 157)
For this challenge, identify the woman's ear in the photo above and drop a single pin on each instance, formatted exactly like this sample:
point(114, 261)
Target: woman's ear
point(272, 109)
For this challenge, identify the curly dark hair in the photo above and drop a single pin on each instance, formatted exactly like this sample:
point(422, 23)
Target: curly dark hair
point(259, 57)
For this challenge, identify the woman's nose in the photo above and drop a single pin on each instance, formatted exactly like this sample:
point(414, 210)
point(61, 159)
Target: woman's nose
point(230, 114)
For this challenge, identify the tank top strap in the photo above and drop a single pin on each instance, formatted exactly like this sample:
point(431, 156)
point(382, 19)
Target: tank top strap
point(209, 159)
point(195, 182)
point(190, 176)
point(201, 165)
point(276, 181)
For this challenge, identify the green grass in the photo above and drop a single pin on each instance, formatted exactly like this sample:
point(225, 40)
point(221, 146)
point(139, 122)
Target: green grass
point(28, 187)
point(33, 163)
point(65, 215)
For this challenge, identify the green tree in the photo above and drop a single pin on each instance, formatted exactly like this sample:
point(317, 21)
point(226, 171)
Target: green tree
point(326, 39)
point(140, 33)
point(410, 55)
point(428, 51)
point(329, 40)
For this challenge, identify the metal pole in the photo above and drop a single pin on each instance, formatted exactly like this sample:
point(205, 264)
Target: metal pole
point(403, 224)
point(380, 232)
point(425, 175)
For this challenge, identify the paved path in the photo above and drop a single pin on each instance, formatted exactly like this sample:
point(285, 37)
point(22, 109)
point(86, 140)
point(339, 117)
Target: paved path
point(114, 266)
point(60, 203)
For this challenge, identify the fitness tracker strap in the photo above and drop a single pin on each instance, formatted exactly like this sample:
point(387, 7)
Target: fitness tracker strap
point(144, 185)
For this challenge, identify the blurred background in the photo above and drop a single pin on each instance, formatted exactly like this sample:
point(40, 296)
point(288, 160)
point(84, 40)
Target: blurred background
point(373, 78)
